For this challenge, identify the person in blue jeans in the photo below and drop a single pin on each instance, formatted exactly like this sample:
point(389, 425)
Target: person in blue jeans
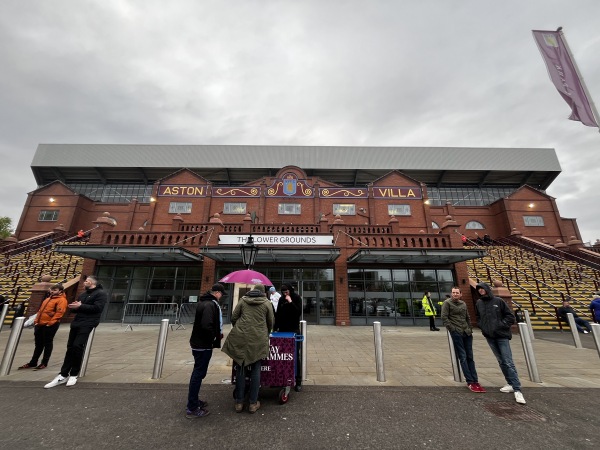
point(495, 318)
point(457, 321)
point(206, 335)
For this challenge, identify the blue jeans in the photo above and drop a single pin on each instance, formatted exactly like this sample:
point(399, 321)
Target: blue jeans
point(201, 360)
point(240, 382)
point(579, 322)
point(463, 345)
point(502, 352)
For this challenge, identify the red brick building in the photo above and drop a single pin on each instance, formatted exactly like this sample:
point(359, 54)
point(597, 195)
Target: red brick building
point(363, 232)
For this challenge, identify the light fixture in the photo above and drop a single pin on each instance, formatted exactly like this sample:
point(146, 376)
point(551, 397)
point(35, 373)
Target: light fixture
point(531, 205)
point(52, 200)
point(427, 202)
point(152, 199)
point(249, 252)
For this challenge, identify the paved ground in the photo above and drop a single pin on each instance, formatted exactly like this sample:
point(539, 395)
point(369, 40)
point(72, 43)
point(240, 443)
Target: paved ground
point(342, 404)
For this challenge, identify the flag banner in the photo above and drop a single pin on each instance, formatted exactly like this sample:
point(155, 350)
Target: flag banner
point(563, 74)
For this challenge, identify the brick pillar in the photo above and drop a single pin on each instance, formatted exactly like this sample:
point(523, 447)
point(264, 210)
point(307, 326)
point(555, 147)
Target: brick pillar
point(38, 293)
point(208, 274)
point(342, 308)
point(450, 227)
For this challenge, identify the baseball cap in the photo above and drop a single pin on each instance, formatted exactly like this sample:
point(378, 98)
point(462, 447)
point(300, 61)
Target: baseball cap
point(271, 289)
point(218, 287)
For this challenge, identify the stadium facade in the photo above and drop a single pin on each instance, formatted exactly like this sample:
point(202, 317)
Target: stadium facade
point(363, 232)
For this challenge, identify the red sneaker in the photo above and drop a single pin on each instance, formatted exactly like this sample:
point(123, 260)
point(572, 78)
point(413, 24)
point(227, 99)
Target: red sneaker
point(480, 388)
point(472, 387)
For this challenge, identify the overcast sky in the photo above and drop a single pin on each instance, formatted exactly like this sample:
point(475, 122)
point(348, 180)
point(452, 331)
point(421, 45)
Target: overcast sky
point(296, 72)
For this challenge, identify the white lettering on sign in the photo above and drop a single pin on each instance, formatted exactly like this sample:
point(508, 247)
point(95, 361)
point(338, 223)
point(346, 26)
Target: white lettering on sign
point(276, 239)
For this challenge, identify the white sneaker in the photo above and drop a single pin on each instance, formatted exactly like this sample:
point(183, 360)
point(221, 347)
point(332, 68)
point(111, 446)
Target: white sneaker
point(58, 380)
point(71, 381)
point(507, 389)
point(519, 398)
point(585, 331)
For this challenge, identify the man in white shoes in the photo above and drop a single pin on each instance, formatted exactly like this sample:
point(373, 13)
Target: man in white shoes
point(88, 307)
point(495, 318)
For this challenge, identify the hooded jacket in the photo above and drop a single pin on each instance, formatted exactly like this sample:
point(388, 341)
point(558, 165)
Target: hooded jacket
point(206, 333)
point(494, 317)
point(252, 319)
point(595, 307)
point(51, 310)
point(92, 304)
point(287, 317)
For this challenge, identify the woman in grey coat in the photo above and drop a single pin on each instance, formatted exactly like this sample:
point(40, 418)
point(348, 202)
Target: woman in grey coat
point(248, 343)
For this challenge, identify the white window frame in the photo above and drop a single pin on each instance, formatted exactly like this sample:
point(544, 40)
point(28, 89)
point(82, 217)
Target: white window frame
point(48, 215)
point(474, 225)
point(344, 209)
point(399, 210)
point(289, 208)
point(533, 221)
point(234, 208)
point(180, 207)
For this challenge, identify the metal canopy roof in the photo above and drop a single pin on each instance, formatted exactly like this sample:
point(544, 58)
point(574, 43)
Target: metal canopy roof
point(142, 254)
point(414, 256)
point(347, 166)
point(275, 254)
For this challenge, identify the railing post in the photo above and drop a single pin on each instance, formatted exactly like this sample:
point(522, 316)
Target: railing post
point(529, 327)
point(574, 331)
point(529, 354)
point(11, 346)
point(304, 347)
point(86, 354)
point(159, 359)
point(3, 315)
point(378, 351)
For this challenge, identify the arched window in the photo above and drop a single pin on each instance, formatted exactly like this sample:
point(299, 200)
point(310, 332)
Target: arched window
point(474, 225)
point(434, 225)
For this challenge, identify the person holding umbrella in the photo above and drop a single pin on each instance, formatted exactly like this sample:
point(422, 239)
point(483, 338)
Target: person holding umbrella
point(248, 343)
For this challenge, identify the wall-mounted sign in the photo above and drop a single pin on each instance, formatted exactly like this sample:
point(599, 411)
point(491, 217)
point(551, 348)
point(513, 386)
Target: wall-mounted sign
point(276, 239)
point(395, 192)
point(183, 190)
point(343, 193)
point(290, 186)
point(246, 191)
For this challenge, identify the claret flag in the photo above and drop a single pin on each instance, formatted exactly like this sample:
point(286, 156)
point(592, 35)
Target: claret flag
point(563, 73)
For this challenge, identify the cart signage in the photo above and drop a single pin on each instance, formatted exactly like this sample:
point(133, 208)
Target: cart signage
point(279, 367)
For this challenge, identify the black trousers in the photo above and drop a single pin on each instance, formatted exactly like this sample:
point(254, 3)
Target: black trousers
point(44, 342)
point(78, 337)
point(431, 322)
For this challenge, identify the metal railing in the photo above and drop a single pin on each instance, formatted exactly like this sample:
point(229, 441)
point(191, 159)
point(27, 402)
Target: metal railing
point(149, 314)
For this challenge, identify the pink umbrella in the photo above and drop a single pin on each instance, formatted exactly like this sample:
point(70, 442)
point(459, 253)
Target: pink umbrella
point(246, 276)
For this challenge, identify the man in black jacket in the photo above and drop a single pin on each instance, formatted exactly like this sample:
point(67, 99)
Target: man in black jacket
point(89, 308)
point(495, 318)
point(206, 335)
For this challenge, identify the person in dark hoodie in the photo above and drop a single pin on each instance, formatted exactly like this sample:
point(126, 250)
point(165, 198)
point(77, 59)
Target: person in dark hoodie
point(287, 319)
point(495, 318)
point(206, 335)
point(89, 308)
point(248, 343)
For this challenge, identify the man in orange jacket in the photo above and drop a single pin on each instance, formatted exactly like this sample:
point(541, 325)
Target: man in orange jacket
point(47, 321)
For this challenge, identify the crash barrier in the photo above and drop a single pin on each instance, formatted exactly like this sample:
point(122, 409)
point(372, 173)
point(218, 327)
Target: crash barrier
point(187, 314)
point(378, 351)
point(529, 354)
point(161, 346)
point(303, 348)
point(149, 314)
point(86, 354)
point(596, 335)
point(574, 331)
point(11, 346)
point(454, 359)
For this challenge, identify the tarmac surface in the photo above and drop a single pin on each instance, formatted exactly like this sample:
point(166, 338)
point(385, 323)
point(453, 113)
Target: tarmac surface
point(342, 405)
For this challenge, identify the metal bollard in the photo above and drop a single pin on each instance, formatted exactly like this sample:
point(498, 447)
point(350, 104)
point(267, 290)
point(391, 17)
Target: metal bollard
point(454, 359)
point(159, 359)
point(86, 353)
point(574, 331)
point(529, 327)
point(378, 351)
point(529, 354)
point(596, 335)
point(3, 315)
point(303, 346)
point(11, 346)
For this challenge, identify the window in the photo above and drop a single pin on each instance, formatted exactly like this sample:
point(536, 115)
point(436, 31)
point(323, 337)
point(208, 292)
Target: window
point(289, 208)
point(234, 208)
point(533, 221)
point(474, 225)
point(48, 215)
point(434, 225)
point(344, 209)
point(180, 208)
point(399, 210)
